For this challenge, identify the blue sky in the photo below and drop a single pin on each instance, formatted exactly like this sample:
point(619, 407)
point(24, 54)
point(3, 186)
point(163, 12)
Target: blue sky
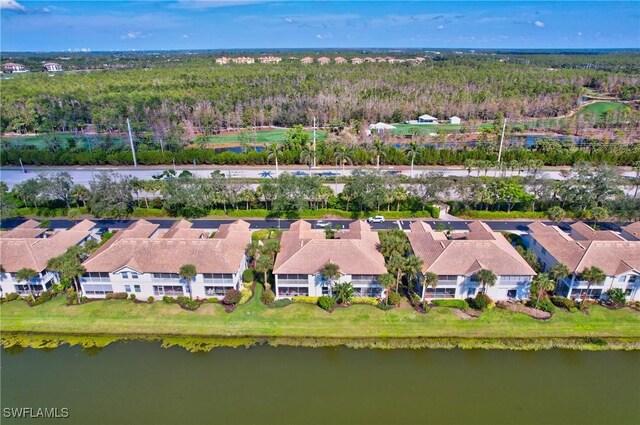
point(56, 25)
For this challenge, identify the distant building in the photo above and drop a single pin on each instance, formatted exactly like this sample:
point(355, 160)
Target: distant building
point(243, 60)
point(269, 59)
point(307, 60)
point(14, 67)
point(340, 59)
point(368, 59)
point(381, 127)
point(324, 60)
point(357, 60)
point(222, 61)
point(427, 119)
point(52, 67)
point(455, 120)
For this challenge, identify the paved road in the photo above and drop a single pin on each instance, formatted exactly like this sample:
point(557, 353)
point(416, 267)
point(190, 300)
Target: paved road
point(500, 226)
point(83, 175)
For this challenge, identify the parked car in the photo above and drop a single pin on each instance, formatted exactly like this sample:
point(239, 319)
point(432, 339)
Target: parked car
point(376, 219)
point(323, 223)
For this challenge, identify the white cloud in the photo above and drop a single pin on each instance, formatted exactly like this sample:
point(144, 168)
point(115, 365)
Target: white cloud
point(324, 36)
point(440, 27)
point(539, 24)
point(12, 5)
point(579, 33)
point(185, 35)
point(206, 4)
point(134, 35)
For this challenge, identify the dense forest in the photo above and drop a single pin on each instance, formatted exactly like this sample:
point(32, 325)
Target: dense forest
point(188, 96)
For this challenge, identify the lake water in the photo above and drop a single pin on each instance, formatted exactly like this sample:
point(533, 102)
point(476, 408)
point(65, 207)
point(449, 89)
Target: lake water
point(141, 383)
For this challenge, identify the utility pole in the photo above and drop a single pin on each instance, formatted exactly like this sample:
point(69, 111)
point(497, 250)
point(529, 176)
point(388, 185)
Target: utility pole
point(22, 166)
point(314, 142)
point(133, 149)
point(504, 126)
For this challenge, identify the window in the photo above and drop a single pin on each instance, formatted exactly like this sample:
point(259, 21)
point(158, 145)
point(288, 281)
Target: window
point(628, 292)
point(124, 275)
point(218, 278)
point(136, 288)
point(166, 276)
point(440, 293)
point(368, 292)
point(91, 289)
point(216, 291)
point(512, 293)
point(593, 293)
point(633, 279)
point(134, 275)
point(544, 251)
point(169, 290)
point(622, 278)
point(292, 291)
point(127, 288)
point(471, 292)
point(96, 277)
point(513, 280)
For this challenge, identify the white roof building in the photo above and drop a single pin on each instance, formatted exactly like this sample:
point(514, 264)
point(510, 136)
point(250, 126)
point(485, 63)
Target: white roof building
point(455, 120)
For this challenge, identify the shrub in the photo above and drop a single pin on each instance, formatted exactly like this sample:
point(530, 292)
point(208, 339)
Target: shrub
point(385, 307)
point(365, 300)
point(84, 299)
point(42, 298)
point(247, 275)
point(326, 302)
point(586, 304)
point(212, 300)
point(617, 296)
point(394, 298)
point(415, 298)
point(118, 296)
point(546, 305)
point(132, 296)
point(12, 296)
point(303, 299)
point(245, 294)
point(280, 303)
point(168, 300)
point(268, 297)
point(150, 299)
point(461, 304)
point(480, 302)
point(563, 302)
point(232, 297)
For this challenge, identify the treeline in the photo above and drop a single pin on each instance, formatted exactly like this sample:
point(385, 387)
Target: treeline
point(297, 149)
point(197, 97)
point(587, 192)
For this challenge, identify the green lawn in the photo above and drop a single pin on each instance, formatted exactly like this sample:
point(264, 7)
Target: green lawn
point(40, 140)
point(602, 107)
point(123, 317)
point(262, 136)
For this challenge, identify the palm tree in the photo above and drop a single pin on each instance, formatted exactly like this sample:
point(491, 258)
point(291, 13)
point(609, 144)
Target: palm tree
point(486, 278)
point(387, 280)
point(26, 275)
point(542, 283)
point(558, 272)
point(252, 249)
point(188, 273)
point(307, 155)
point(396, 265)
point(330, 272)
point(272, 152)
point(429, 280)
point(412, 268)
point(412, 150)
point(343, 292)
point(593, 276)
point(378, 150)
point(342, 155)
point(264, 264)
point(69, 266)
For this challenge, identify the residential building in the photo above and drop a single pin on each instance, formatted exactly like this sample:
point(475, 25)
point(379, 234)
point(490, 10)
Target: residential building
point(586, 247)
point(269, 59)
point(14, 67)
point(304, 252)
point(30, 247)
point(427, 119)
point(243, 60)
point(307, 60)
point(145, 261)
point(223, 60)
point(458, 258)
point(52, 67)
point(324, 60)
point(368, 59)
point(631, 232)
point(455, 120)
point(357, 61)
point(340, 59)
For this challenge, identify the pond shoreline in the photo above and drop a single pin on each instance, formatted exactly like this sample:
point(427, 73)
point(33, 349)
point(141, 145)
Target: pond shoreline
point(196, 343)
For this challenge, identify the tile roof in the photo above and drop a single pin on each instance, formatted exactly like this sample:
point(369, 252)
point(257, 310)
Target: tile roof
point(181, 229)
point(633, 229)
point(28, 229)
point(33, 253)
point(583, 232)
point(305, 251)
point(133, 248)
point(480, 248)
point(612, 256)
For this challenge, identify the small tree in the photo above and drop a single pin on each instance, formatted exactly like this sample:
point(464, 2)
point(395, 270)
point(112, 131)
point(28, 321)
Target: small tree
point(593, 276)
point(486, 278)
point(617, 296)
point(556, 214)
point(26, 275)
point(264, 264)
point(188, 272)
point(343, 292)
point(541, 284)
point(558, 272)
point(387, 281)
point(330, 272)
point(429, 280)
